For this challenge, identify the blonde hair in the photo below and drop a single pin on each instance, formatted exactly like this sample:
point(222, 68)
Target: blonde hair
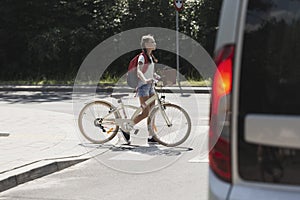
point(145, 39)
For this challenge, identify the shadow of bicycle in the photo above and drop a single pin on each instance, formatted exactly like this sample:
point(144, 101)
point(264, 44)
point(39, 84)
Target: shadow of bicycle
point(151, 150)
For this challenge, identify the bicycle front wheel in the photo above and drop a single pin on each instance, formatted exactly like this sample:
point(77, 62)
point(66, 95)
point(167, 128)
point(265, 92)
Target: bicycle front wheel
point(97, 122)
point(174, 133)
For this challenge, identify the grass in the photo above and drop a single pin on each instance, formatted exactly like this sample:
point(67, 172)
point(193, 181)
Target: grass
point(198, 83)
point(38, 83)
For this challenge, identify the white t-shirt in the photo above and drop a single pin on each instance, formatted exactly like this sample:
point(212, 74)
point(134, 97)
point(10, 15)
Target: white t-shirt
point(148, 74)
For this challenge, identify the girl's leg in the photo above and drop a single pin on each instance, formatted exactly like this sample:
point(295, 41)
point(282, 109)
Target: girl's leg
point(145, 92)
point(145, 112)
point(151, 106)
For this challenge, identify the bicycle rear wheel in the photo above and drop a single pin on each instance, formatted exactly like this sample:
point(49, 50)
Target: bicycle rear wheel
point(92, 125)
point(175, 133)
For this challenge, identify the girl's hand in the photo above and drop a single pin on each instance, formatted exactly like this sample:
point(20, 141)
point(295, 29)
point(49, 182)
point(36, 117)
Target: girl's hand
point(157, 77)
point(150, 80)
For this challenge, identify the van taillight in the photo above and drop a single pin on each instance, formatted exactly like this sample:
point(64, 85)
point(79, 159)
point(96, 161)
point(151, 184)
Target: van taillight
point(219, 136)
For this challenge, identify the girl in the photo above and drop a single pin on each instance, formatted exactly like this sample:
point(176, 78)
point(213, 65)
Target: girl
point(145, 88)
point(146, 74)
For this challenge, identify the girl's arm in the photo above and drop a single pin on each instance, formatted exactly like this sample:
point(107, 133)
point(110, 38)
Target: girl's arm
point(140, 74)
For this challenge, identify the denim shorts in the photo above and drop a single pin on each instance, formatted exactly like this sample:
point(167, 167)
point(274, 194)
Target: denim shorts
point(145, 90)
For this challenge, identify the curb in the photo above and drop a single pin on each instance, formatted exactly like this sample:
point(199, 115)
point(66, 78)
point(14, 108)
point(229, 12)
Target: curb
point(37, 172)
point(107, 89)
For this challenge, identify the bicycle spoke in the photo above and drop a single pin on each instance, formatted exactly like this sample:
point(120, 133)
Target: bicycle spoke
point(102, 131)
point(91, 111)
point(177, 131)
point(89, 118)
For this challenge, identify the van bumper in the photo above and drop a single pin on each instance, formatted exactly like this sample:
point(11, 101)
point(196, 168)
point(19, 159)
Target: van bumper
point(218, 189)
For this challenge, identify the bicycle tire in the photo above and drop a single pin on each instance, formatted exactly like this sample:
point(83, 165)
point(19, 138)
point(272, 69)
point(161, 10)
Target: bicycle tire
point(175, 134)
point(86, 122)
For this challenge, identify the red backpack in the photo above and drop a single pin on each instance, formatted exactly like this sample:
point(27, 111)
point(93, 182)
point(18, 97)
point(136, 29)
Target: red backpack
point(132, 78)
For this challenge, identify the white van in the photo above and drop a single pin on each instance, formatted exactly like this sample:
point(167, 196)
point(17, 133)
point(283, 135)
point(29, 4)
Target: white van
point(255, 103)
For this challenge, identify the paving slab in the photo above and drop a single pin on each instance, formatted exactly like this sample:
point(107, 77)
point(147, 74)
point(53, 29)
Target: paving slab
point(39, 143)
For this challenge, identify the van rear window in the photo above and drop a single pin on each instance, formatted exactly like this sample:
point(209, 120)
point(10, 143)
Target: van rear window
point(270, 76)
point(270, 84)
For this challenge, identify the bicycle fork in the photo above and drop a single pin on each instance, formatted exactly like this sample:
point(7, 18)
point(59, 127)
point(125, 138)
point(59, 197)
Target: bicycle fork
point(162, 110)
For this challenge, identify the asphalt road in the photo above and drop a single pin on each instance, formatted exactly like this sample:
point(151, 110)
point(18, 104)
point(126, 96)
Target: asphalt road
point(123, 172)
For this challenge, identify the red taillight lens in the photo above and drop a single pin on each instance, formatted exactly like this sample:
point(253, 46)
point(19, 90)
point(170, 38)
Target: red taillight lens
point(219, 138)
point(222, 83)
point(219, 159)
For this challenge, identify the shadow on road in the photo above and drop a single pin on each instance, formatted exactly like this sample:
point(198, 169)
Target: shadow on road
point(34, 97)
point(152, 149)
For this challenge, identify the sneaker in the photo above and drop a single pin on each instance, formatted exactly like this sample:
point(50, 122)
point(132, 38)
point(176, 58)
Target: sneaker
point(151, 140)
point(126, 136)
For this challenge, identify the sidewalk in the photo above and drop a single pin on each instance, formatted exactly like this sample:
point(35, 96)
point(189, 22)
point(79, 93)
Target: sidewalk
point(39, 143)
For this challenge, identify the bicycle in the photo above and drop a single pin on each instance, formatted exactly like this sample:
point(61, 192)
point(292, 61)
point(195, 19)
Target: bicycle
point(169, 124)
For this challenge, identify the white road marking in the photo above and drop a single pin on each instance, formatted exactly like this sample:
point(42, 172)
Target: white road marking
point(199, 159)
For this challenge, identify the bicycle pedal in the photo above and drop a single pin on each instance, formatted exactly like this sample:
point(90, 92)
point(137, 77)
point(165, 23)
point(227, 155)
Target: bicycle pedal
point(110, 130)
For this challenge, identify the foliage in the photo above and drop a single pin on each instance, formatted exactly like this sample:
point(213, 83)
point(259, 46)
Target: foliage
point(44, 40)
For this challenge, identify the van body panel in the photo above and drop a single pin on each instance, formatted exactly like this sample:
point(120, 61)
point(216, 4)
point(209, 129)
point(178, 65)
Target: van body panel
point(246, 192)
point(218, 190)
point(265, 102)
point(226, 35)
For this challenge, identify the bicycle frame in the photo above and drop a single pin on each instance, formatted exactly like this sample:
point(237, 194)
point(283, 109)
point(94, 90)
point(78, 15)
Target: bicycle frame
point(123, 122)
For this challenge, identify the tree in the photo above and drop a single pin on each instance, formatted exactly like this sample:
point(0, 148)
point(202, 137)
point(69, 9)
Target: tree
point(49, 39)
